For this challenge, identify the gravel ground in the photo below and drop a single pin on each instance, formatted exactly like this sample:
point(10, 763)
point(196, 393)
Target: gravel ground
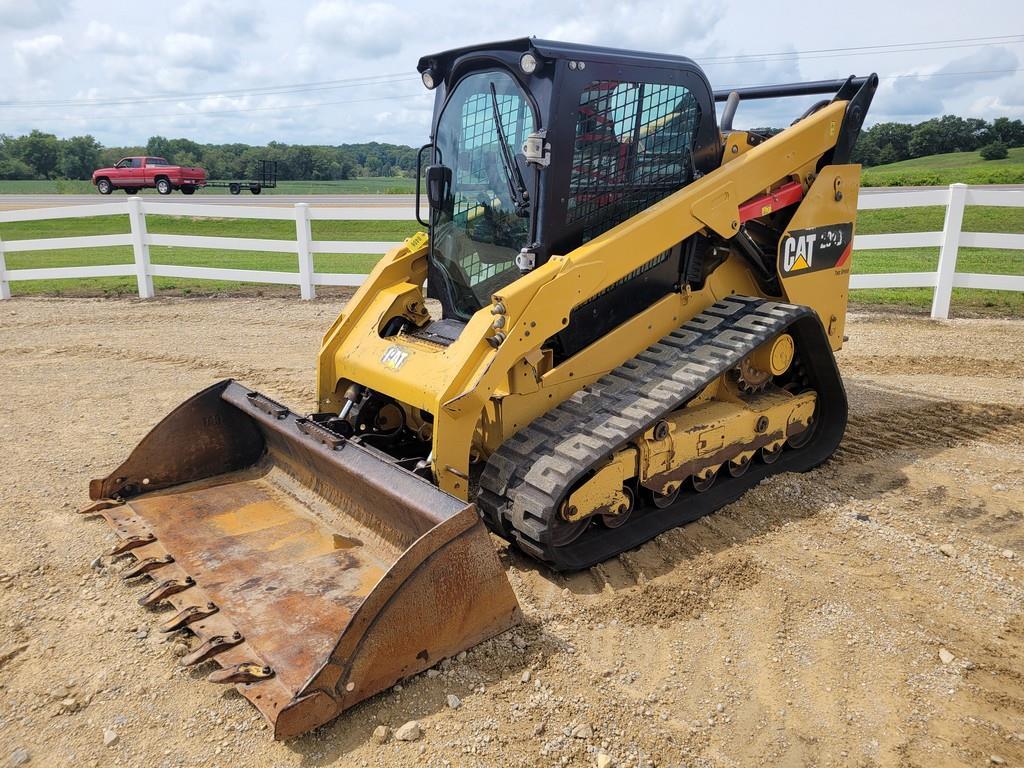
point(867, 613)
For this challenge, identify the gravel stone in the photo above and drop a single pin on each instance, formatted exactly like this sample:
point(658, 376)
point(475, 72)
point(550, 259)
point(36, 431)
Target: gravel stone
point(409, 731)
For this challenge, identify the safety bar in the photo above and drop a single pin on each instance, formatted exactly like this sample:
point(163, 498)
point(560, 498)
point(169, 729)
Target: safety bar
point(791, 89)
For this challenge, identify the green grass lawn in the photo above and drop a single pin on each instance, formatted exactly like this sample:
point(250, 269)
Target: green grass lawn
point(927, 219)
point(980, 260)
point(384, 185)
point(950, 168)
point(387, 231)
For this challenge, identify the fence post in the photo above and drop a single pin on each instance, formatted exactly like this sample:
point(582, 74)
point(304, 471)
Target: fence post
point(140, 248)
point(948, 251)
point(303, 238)
point(5, 287)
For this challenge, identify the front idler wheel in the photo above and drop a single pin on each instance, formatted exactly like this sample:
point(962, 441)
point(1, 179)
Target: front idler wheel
point(565, 532)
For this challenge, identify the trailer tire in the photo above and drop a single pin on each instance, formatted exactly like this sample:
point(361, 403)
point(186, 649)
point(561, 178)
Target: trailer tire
point(235, 189)
point(163, 186)
point(255, 188)
point(104, 187)
point(187, 190)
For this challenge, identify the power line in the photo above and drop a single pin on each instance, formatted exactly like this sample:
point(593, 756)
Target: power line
point(851, 55)
point(279, 108)
point(264, 91)
point(963, 42)
point(901, 77)
point(403, 96)
point(384, 79)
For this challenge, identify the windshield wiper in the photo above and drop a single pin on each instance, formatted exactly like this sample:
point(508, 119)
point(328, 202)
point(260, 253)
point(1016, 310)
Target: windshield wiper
point(513, 176)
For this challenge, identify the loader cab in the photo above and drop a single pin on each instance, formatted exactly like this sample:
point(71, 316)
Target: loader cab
point(537, 147)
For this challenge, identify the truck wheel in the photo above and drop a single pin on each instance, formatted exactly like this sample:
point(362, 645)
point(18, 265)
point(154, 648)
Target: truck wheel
point(163, 186)
point(255, 188)
point(187, 190)
point(104, 187)
point(235, 189)
point(131, 191)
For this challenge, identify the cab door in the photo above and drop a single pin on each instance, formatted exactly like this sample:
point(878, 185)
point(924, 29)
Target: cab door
point(134, 172)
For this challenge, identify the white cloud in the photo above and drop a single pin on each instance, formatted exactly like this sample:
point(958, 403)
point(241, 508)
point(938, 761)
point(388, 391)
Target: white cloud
point(37, 55)
point(371, 29)
point(219, 16)
point(29, 14)
point(103, 38)
point(929, 93)
point(649, 25)
point(126, 48)
point(185, 49)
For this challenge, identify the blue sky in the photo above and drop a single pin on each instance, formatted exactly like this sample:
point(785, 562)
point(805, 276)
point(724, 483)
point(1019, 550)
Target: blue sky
point(216, 52)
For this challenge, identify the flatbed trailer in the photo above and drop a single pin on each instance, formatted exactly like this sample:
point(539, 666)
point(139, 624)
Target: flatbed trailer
point(266, 179)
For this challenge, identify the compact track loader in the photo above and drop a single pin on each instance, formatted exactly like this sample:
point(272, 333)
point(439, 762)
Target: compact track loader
point(638, 312)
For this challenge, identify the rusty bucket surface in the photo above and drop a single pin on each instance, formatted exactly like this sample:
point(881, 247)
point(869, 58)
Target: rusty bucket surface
point(311, 569)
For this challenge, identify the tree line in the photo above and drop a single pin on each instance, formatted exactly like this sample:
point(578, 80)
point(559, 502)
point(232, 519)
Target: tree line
point(891, 142)
point(40, 155)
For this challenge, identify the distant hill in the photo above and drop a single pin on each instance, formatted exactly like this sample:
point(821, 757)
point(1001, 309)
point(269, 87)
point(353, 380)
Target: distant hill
point(949, 168)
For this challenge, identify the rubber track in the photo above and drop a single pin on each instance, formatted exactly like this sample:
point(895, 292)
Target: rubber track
point(525, 480)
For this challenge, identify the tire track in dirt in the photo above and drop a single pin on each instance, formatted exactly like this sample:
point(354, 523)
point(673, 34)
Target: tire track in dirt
point(988, 717)
point(928, 365)
point(937, 425)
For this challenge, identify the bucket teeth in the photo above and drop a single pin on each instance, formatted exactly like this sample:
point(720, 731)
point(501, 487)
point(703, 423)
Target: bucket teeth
point(130, 543)
point(247, 672)
point(146, 565)
point(211, 648)
point(165, 589)
point(100, 505)
point(188, 615)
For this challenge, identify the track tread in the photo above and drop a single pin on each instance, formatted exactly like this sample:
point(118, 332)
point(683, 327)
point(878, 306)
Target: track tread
point(525, 480)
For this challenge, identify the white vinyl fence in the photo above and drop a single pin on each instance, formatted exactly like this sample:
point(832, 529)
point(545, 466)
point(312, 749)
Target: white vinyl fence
point(949, 240)
point(144, 270)
point(943, 280)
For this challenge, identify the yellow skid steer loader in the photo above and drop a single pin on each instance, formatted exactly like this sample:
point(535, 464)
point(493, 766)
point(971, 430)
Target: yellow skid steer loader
point(638, 312)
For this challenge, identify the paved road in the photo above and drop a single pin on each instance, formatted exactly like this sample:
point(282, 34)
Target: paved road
point(9, 202)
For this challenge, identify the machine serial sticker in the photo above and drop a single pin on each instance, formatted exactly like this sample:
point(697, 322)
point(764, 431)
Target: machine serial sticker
point(809, 250)
point(394, 357)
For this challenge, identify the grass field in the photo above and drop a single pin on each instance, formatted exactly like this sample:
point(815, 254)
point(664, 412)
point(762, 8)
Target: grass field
point(388, 231)
point(389, 185)
point(965, 301)
point(965, 167)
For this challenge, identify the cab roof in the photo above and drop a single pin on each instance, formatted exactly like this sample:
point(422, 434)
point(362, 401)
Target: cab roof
point(553, 49)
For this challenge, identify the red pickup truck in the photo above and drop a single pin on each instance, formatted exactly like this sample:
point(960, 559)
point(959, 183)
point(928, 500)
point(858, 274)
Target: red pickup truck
point(134, 173)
